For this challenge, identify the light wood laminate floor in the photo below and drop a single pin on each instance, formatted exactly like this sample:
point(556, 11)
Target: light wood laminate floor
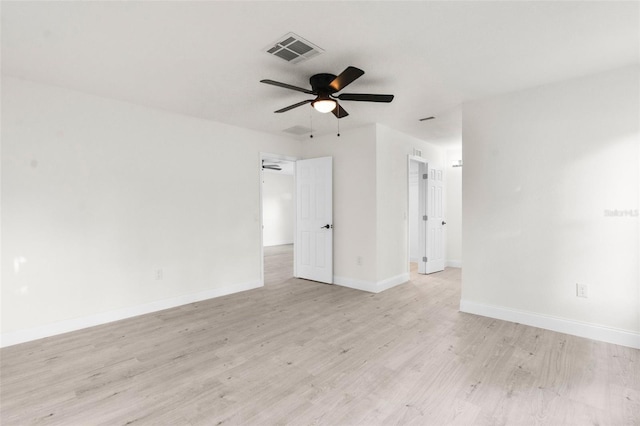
point(303, 353)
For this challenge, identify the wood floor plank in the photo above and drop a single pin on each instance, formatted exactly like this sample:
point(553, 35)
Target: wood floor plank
point(304, 353)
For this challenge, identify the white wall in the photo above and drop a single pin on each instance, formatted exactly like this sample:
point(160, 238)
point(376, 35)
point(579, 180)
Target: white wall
point(97, 195)
point(541, 169)
point(392, 150)
point(453, 218)
point(370, 203)
point(277, 208)
point(354, 201)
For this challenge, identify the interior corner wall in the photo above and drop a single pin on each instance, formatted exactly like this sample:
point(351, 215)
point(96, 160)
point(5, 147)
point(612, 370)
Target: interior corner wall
point(392, 150)
point(551, 197)
point(278, 210)
point(354, 202)
point(110, 209)
point(370, 186)
point(453, 176)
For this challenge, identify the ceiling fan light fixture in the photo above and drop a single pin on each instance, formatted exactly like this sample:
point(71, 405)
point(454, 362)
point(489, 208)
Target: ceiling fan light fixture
point(325, 86)
point(324, 104)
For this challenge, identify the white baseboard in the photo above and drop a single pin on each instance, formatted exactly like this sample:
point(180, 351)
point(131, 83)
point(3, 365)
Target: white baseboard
point(277, 243)
point(454, 263)
point(355, 284)
point(372, 286)
point(393, 281)
point(21, 336)
point(561, 325)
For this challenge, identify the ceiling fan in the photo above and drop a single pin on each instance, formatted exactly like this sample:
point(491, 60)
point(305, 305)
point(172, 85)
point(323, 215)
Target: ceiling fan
point(324, 87)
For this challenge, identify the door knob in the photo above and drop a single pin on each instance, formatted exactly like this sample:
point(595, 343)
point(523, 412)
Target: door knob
point(444, 223)
point(327, 226)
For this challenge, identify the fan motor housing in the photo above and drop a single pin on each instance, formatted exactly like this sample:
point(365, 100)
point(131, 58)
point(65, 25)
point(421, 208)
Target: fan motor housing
point(321, 82)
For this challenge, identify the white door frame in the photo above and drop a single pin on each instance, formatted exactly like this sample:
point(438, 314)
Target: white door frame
point(264, 155)
point(423, 167)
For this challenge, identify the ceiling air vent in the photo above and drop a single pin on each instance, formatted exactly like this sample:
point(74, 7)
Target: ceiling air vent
point(297, 130)
point(293, 48)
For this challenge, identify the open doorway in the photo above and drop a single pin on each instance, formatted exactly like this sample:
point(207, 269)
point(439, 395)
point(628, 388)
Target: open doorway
point(277, 177)
point(417, 214)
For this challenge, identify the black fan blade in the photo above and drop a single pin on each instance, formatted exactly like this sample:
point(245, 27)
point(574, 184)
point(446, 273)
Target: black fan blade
point(271, 166)
point(290, 107)
point(287, 86)
point(339, 112)
point(347, 77)
point(365, 97)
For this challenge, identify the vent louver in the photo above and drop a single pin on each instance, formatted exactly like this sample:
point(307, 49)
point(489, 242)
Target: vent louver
point(293, 49)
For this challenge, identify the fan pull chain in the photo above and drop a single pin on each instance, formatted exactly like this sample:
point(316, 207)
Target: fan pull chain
point(311, 124)
point(338, 127)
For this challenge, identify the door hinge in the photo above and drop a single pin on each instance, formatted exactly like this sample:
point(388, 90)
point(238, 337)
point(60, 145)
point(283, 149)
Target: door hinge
point(425, 217)
point(424, 259)
point(425, 176)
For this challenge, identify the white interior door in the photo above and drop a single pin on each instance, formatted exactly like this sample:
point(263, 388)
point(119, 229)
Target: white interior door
point(435, 221)
point(423, 195)
point(314, 219)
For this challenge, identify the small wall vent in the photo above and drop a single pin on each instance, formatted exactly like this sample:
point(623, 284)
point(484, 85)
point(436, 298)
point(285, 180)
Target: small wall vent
point(293, 49)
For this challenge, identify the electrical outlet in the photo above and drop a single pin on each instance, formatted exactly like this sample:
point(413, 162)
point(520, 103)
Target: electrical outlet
point(582, 290)
point(359, 260)
point(159, 274)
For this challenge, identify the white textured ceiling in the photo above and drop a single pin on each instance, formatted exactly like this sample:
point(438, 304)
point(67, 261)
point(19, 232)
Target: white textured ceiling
point(205, 59)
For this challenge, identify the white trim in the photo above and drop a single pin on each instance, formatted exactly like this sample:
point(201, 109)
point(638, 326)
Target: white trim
point(372, 286)
point(454, 263)
point(355, 284)
point(561, 325)
point(393, 281)
point(21, 336)
point(279, 243)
